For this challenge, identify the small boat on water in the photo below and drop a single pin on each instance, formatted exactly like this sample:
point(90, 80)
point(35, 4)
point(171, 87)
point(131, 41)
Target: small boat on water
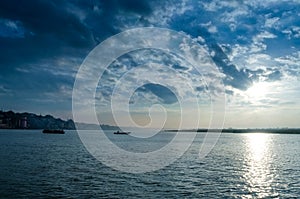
point(53, 131)
point(121, 133)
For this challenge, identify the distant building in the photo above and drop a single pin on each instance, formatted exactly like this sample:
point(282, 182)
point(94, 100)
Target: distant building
point(1, 118)
point(23, 124)
point(3, 122)
point(20, 123)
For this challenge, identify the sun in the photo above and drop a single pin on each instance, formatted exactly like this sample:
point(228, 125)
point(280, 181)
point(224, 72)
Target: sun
point(258, 91)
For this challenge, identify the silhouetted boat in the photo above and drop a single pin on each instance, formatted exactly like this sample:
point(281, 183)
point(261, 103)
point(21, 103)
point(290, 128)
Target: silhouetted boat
point(53, 131)
point(121, 133)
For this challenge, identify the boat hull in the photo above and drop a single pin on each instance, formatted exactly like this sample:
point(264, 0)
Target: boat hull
point(122, 133)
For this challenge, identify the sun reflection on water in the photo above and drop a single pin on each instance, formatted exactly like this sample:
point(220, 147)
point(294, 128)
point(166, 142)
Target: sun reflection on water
point(257, 145)
point(258, 172)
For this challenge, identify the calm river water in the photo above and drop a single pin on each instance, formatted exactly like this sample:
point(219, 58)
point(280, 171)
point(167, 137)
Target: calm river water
point(37, 165)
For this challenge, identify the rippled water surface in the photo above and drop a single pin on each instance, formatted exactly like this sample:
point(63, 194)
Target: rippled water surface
point(36, 165)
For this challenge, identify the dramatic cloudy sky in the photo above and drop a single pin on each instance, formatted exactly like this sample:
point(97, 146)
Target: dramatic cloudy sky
point(255, 44)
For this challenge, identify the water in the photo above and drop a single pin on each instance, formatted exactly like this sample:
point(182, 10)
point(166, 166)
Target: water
point(36, 165)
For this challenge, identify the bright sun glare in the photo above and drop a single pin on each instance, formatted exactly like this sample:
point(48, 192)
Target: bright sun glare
point(258, 144)
point(258, 90)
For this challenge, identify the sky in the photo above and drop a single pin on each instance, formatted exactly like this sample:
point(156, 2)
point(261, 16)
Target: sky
point(254, 44)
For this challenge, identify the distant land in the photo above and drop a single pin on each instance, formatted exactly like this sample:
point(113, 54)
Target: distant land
point(247, 130)
point(12, 120)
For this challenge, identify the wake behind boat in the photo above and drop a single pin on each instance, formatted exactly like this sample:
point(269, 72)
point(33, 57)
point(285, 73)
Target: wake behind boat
point(53, 131)
point(121, 132)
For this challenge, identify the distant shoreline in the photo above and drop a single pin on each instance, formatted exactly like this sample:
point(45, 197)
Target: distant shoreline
point(31, 121)
point(294, 131)
point(249, 130)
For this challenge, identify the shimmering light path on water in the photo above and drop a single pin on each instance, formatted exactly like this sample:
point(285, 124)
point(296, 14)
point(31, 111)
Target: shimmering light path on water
point(35, 165)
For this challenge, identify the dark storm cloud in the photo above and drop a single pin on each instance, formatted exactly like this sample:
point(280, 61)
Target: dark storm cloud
point(163, 93)
point(49, 30)
point(36, 36)
point(137, 6)
point(234, 77)
point(267, 74)
point(179, 67)
point(53, 27)
point(101, 15)
point(255, 74)
point(275, 75)
point(239, 23)
point(37, 83)
point(47, 18)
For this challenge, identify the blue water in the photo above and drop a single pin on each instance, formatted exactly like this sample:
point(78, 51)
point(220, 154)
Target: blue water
point(36, 165)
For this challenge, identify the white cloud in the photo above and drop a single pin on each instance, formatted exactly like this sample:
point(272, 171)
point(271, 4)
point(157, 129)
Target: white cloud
point(290, 60)
point(271, 22)
point(265, 4)
point(231, 16)
point(264, 35)
point(163, 12)
point(212, 29)
point(258, 44)
point(216, 5)
point(258, 60)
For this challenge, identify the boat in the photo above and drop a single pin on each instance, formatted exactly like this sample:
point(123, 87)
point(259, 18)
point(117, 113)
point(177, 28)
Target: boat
point(53, 131)
point(121, 133)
